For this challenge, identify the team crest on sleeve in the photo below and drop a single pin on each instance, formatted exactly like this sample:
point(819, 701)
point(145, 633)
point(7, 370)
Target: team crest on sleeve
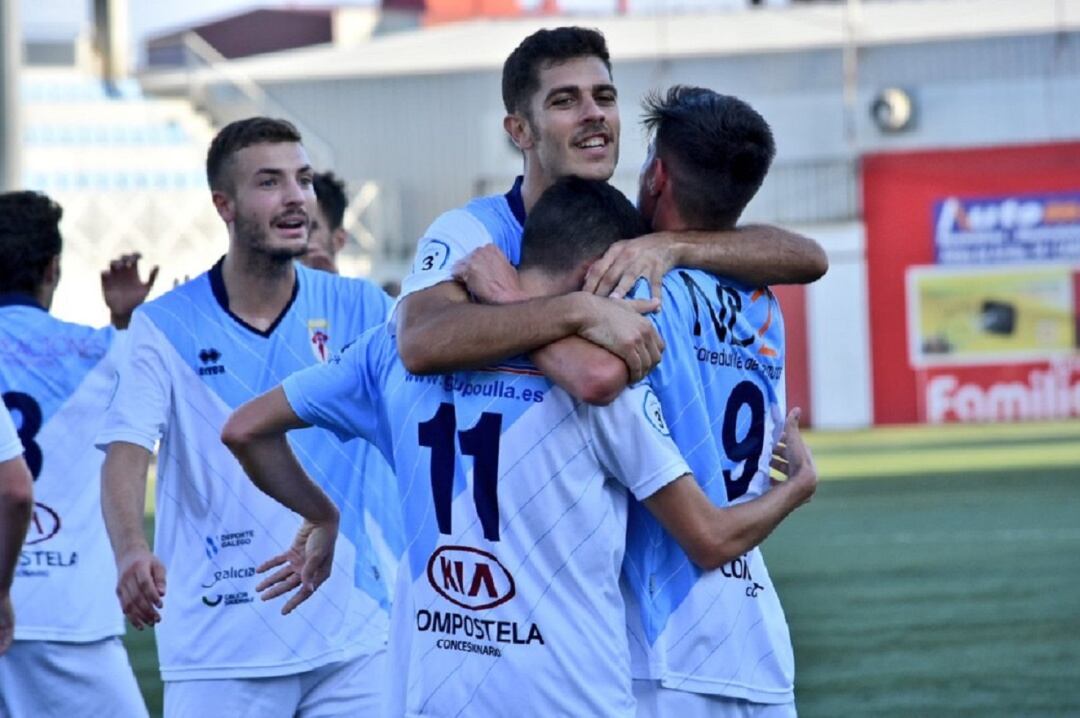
point(654, 413)
point(432, 255)
point(319, 339)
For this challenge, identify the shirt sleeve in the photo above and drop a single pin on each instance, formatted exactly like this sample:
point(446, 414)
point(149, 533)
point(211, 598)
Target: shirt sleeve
point(340, 395)
point(452, 236)
point(660, 376)
point(139, 409)
point(10, 446)
point(633, 442)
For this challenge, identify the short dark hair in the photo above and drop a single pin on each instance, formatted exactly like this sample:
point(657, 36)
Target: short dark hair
point(521, 71)
point(577, 220)
point(330, 191)
point(716, 148)
point(237, 135)
point(29, 239)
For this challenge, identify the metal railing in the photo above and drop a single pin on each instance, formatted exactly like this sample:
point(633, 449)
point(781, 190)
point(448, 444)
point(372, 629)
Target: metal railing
point(215, 69)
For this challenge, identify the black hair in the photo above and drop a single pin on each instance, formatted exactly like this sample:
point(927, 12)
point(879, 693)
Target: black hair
point(330, 191)
point(29, 239)
point(521, 71)
point(716, 148)
point(237, 135)
point(576, 220)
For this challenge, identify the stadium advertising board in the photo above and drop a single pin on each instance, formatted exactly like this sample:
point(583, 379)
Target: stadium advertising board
point(990, 316)
point(995, 344)
point(973, 261)
point(1013, 228)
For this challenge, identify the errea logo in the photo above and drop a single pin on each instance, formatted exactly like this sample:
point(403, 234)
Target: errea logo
point(470, 578)
point(210, 359)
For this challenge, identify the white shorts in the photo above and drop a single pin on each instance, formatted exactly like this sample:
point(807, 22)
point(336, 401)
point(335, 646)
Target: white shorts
point(68, 680)
point(353, 688)
point(655, 701)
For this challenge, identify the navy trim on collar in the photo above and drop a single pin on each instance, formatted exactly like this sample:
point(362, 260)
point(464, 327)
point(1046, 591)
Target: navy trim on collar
point(19, 299)
point(515, 200)
point(217, 286)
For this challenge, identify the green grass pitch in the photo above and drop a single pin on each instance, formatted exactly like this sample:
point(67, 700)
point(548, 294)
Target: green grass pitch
point(935, 573)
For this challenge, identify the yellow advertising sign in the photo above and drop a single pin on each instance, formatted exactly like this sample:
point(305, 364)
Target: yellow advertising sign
point(990, 314)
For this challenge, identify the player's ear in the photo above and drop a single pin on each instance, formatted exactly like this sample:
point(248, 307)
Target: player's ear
point(338, 239)
point(519, 130)
point(52, 271)
point(224, 204)
point(656, 177)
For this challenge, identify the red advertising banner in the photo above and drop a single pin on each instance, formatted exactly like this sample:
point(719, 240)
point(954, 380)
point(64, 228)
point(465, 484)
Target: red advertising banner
point(792, 298)
point(1000, 208)
point(1037, 391)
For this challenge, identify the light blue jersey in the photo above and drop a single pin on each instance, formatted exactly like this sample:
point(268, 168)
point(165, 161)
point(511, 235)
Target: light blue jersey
point(190, 364)
point(515, 498)
point(721, 384)
point(55, 379)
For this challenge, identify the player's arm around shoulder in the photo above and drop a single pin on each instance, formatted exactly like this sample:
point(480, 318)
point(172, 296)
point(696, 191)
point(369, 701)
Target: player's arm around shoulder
point(425, 318)
point(614, 342)
point(712, 535)
point(758, 255)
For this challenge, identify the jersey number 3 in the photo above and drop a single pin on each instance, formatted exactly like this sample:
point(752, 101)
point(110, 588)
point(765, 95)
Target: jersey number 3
point(480, 442)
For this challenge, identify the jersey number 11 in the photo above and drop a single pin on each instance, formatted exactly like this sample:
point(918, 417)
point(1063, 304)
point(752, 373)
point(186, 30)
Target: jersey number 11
point(480, 442)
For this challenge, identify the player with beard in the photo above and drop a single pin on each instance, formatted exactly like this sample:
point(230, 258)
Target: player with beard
point(194, 355)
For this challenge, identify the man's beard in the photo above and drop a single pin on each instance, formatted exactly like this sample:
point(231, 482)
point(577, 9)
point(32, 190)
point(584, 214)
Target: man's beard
point(253, 235)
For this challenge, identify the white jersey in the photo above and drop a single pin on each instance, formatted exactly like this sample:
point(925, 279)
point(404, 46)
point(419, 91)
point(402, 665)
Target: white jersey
point(55, 379)
point(191, 362)
point(10, 446)
point(515, 496)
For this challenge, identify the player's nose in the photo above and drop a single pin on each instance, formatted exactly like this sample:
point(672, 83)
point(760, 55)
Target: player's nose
point(295, 193)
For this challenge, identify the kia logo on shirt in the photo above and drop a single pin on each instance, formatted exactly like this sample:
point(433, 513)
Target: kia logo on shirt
point(470, 578)
point(44, 524)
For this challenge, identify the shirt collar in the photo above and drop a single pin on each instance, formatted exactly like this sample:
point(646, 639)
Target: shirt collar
point(19, 299)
